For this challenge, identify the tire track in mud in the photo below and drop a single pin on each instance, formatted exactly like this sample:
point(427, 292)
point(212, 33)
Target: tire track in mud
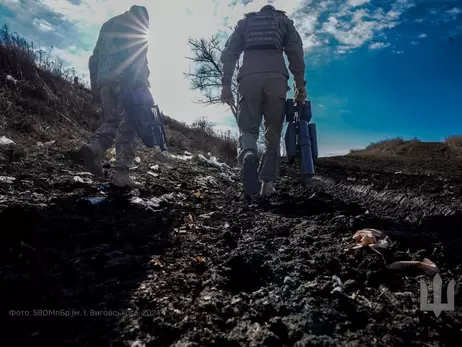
point(411, 215)
point(412, 211)
point(393, 202)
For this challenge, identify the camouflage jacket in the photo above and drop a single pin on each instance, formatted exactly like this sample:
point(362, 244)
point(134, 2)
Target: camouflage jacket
point(120, 54)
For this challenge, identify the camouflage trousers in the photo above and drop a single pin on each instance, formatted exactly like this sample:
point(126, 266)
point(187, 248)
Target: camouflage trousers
point(116, 127)
point(262, 94)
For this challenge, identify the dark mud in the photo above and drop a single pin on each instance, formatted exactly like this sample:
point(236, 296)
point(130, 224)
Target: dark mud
point(199, 266)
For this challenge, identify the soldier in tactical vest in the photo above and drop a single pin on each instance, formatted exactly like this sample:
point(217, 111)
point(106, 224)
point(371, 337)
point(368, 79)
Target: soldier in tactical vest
point(118, 64)
point(262, 85)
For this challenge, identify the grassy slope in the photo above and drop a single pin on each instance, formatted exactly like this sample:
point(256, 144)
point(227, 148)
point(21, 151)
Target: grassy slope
point(46, 104)
point(412, 156)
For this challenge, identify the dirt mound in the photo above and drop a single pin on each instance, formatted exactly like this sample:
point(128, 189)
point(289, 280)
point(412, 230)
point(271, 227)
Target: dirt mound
point(185, 261)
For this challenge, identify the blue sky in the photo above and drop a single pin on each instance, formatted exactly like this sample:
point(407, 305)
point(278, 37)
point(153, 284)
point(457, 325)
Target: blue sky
point(375, 69)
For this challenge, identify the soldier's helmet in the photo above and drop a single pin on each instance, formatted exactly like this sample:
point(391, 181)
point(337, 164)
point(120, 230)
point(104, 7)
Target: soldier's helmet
point(141, 13)
point(267, 8)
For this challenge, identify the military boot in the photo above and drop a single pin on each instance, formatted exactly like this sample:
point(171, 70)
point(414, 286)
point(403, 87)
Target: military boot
point(250, 174)
point(123, 180)
point(92, 156)
point(267, 189)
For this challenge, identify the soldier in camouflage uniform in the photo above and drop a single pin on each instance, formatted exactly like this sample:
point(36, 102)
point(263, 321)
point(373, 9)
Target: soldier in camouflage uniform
point(262, 85)
point(118, 64)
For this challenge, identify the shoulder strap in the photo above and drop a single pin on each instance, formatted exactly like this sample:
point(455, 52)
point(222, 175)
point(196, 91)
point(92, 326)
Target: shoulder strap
point(250, 14)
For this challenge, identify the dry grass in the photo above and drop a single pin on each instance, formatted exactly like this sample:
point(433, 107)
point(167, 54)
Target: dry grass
point(201, 137)
point(454, 141)
point(414, 149)
point(385, 144)
point(391, 146)
point(45, 104)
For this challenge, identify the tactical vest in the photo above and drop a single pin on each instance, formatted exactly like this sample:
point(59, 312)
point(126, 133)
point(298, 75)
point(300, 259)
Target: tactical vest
point(263, 32)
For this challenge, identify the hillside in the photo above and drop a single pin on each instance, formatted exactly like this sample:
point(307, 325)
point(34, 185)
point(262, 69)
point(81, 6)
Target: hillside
point(186, 261)
point(41, 102)
point(411, 156)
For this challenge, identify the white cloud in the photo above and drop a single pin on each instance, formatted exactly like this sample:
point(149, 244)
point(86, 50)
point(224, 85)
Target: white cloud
point(398, 52)
point(343, 49)
point(393, 14)
point(422, 36)
point(42, 24)
point(454, 11)
point(354, 36)
point(438, 16)
point(414, 43)
point(310, 42)
point(378, 45)
point(88, 12)
point(358, 15)
point(355, 28)
point(306, 26)
point(355, 3)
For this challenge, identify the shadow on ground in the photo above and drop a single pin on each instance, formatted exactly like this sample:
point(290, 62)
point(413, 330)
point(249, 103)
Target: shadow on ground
point(77, 259)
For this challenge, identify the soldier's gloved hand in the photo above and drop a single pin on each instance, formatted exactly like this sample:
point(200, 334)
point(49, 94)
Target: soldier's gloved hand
point(300, 94)
point(227, 95)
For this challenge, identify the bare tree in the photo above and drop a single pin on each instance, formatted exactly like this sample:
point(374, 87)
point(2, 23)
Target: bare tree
point(208, 71)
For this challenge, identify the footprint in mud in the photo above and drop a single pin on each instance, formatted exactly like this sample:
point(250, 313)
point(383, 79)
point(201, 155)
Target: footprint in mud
point(289, 205)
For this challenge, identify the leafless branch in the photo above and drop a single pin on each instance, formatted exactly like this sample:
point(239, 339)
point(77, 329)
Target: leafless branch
point(207, 71)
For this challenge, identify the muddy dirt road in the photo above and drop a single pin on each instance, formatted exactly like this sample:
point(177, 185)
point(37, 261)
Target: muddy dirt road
point(198, 266)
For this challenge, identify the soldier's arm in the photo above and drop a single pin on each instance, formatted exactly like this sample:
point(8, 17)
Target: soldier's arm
point(294, 51)
point(231, 53)
point(93, 62)
point(147, 72)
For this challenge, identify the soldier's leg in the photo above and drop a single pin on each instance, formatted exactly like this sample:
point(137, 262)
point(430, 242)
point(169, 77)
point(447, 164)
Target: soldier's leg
point(125, 144)
point(104, 137)
point(125, 153)
point(248, 120)
point(275, 91)
point(106, 133)
point(249, 113)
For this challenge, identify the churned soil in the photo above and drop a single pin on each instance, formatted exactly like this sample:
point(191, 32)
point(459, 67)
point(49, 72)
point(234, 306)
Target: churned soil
point(185, 261)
